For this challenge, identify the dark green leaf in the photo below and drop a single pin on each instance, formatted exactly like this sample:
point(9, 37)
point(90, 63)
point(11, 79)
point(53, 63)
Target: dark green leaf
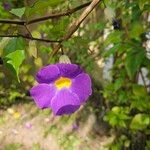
point(13, 45)
point(133, 61)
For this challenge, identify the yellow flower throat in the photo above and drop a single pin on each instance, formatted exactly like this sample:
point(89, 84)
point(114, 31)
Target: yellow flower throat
point(62, 82)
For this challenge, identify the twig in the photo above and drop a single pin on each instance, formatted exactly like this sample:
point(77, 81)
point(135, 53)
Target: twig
point(28, 31)
point(76, 24)
point(58, 15)
point(31, 38)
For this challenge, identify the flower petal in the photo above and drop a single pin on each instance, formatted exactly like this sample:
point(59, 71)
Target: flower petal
point(48, 74)
point(42, 95)
point(81, 85)
point(69, 70)
point(65, 102)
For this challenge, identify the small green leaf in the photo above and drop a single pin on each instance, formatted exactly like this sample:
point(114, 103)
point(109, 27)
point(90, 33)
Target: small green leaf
point(15, 59)
point(18, 11)
point(140, 121)
point(33, 49)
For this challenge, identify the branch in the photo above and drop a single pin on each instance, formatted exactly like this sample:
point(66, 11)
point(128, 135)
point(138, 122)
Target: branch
point(17, 22)
point(31, 38)
point(76, 24)
point(58, 15)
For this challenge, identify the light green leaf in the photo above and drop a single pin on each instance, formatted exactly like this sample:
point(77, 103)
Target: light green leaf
point(18, 11)
point(140, 121)
point(15, 59)
point(32, 49)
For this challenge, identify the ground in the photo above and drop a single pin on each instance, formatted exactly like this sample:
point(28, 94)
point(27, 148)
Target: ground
point(25, 127)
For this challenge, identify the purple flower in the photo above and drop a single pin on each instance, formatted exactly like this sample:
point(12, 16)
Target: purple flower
point(62, 87)
point(6, 6)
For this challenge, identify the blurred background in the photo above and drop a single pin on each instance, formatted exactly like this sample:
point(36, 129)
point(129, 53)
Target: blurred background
point(112, 45)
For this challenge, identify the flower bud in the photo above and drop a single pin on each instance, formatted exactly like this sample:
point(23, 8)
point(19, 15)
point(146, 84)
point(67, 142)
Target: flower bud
point(64, 59)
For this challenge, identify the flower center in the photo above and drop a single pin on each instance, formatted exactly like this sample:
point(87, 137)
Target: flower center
point(63, 82)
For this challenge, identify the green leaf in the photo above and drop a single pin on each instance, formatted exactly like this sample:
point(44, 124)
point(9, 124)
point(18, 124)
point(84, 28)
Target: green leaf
point(33, 49)
point(141, 104)
point(136, 30)
point(18, 11)
point(15, 59)
point(114, 37)
point(45, 49)
point(118, 83)
point(139, 90)
point(40, 6)
point(117, 116)
point(140, 121)
point(133, 61)
point(142, 3)
point(146, 7)
point(111, 51)
point(13, 45)
point(136, 12)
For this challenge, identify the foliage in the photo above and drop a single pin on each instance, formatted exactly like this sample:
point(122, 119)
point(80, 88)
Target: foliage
point(127, 101)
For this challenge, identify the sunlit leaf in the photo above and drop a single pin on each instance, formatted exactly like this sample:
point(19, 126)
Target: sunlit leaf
point(140, 121)
point(15, 59)
point(18, 11)
point(32, 49)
